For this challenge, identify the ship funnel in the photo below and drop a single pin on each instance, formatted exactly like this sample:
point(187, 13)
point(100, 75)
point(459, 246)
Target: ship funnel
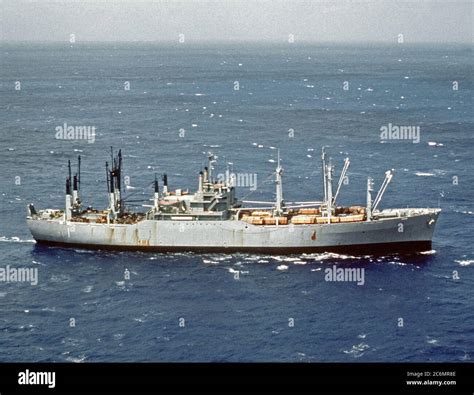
point(74, 190)
point(211, 159)
point(156, 185)
point(156, 199)
point(67, 206)
point(205, 175)
point(200, 181)
point(31, 210)
point(112, 195)
point(165, 184)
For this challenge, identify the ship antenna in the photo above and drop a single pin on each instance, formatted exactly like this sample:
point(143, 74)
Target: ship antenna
point(119, 175)
point(79, 170)
point(323, 159)
point(69, 168)
point(107, 175)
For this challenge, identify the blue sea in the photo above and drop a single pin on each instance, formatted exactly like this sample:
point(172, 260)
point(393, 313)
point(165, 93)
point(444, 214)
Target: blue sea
point(166, 106)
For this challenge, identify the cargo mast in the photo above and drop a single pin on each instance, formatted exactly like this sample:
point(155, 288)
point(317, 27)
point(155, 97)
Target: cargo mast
point(279, 188)
point(323, 159)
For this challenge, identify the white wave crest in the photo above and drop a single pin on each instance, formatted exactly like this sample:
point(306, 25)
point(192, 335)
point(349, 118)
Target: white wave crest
point(15, 239)
point(464, 262)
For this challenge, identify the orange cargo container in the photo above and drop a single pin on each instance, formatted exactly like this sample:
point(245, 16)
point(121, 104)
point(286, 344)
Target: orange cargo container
point(303, 219)
point(308, 211)
point(261, 214)
point(269, 221)
point(352, 218)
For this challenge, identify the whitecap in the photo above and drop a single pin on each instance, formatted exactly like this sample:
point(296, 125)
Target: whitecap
point(465, 262)
point(327, 255)
point(357, 350)
point(76, 360)
point(421, 174)
point(60, 278)
point(282, 267)
point(299, 262)
point(456, 211)
point(15, 239)
point(289, 259)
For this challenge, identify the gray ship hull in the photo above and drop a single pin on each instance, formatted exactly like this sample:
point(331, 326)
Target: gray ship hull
point(403, 230)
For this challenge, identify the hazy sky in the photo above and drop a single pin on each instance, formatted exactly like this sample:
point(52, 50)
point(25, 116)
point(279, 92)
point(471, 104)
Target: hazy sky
point(237, 20)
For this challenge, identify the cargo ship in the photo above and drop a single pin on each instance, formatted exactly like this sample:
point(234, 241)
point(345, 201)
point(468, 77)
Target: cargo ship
point(212, 219)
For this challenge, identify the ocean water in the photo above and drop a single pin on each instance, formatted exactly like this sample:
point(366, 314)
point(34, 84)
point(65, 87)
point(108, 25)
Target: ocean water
point(242, 102)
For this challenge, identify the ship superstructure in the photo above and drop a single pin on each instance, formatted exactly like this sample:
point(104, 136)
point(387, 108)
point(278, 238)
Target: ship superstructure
point(212, 219)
